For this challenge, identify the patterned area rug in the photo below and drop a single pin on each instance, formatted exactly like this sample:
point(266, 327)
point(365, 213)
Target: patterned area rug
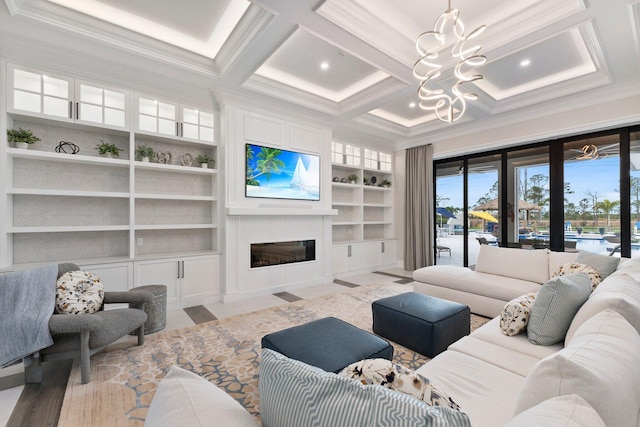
point(225, 351)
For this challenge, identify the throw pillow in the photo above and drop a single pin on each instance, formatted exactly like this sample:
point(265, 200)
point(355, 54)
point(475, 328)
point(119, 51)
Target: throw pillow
point(78, 292)
point(294, 394)
point(576, 267)
point(515, 314)
point(562, 411)
point(387, 374)
point(603, 263)
point(557, 302)
point(184, 398)
point(600, 364)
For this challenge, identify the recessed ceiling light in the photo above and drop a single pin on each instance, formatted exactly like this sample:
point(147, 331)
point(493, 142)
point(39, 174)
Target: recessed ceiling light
point(412, 105)
point(525, 63)
point(324, 65)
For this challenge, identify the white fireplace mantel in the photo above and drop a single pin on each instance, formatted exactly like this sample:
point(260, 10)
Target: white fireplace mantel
point(280, 211)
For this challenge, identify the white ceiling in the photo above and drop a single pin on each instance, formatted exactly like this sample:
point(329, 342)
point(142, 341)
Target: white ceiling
point(274, 49)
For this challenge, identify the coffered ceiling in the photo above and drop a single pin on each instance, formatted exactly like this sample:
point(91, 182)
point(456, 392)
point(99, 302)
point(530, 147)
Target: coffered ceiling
point(351, 60)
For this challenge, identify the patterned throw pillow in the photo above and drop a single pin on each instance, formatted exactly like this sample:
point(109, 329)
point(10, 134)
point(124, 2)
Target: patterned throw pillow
point(78, 292)
point(576, 267)
point(515, 314)
point(398, 378)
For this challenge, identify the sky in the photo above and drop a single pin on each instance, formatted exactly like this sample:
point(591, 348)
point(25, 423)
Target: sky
point(599, 176)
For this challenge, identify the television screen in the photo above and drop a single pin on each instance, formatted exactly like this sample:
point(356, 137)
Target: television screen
point(280, 174)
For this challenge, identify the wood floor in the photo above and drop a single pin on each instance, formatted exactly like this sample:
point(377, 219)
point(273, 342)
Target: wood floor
point(39, 405)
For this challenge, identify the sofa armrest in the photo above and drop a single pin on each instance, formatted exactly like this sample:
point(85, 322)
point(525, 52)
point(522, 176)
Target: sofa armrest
point(73, 323)
point(136, 298)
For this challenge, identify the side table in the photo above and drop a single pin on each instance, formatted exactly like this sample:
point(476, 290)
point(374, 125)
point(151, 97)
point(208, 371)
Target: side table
point(156, 311)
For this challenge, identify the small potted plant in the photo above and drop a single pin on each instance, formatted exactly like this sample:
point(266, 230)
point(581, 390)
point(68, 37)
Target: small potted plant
point(145, 153)
point(21, 137)
point(365, 180)
point(353, 178)
point(385, 183)
point(205, 161)
point(108, 150)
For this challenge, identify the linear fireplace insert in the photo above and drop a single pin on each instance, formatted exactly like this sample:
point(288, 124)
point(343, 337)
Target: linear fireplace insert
point(276, 253)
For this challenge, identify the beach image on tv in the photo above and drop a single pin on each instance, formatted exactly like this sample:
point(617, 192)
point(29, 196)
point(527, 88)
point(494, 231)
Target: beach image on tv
point(281, 174)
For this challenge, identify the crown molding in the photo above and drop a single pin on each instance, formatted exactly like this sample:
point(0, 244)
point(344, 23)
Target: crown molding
point(92, 29)
point(253, 23)
point(361, 102)
point(293, 95)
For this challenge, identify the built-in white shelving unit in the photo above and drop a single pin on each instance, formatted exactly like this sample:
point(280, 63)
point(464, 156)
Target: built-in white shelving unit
point(362, 230)
point(109, 213)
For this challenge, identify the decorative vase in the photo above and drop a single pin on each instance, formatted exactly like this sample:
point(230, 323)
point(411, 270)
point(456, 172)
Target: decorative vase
point(107, 155)
point(22, 145)
point(204, 165)
point(145, 159)
point(352, 182)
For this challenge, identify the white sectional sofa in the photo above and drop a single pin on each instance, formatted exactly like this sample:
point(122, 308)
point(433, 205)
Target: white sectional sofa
point(592, 378)
point(500, 274)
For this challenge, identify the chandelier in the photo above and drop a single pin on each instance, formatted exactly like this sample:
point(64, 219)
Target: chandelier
point(447, 106)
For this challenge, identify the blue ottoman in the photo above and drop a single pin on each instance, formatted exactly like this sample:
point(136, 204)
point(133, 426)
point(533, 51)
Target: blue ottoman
point(422, 323)
point(330, 344)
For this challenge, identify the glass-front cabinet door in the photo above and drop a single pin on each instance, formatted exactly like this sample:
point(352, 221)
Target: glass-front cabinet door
point(100, 105)
point(197, 125)
point(39, 94)
point(157, 117)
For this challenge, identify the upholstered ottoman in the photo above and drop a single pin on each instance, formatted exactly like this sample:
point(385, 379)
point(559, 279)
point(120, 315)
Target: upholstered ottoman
point(422, 323)
point(329, 343)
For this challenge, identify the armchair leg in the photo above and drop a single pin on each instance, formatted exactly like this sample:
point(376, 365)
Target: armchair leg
point(33, 368)
point(141, 335)
point(85, 357)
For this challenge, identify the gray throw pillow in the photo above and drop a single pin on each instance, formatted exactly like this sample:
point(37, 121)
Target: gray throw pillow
point(603, 263)
point(555, 306)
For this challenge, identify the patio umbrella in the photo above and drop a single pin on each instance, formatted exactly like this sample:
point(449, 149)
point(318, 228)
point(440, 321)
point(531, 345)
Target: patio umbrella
point(484, 215)
point(444, 213)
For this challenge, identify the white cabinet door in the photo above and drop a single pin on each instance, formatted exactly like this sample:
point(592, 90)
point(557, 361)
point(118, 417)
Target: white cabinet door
point(39, 94)
point(159, 272)
point(156, 117)
point(373, 253)
point(340, 259)
point(100, 105)
point(114, 277)
point(356, 256)
point(388, 255)
point(199, 278)
point(196, 125)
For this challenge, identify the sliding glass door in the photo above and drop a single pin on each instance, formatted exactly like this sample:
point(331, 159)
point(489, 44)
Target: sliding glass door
point(571, 194)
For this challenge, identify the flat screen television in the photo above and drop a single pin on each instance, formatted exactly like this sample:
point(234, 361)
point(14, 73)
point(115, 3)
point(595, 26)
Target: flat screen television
point(274, 173)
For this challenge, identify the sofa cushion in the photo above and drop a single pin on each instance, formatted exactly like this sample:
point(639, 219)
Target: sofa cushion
point(620, 292)
point(466, 280)
point(183, 398)
point(530, 265)
point(576, 267)
point(557, 302)
point(557, 259)
point(490, 332)
point(395, 377)
point(485, 392)
point(599, 363)
point(561, 411)
point(294, 394)
point(79, 292)
point(603, 263)
point(515, 314)
point(505, 358)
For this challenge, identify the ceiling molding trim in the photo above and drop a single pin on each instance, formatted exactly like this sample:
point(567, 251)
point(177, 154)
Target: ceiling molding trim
point(354, 18)
point(247, 100)
point(94, 29)
point(634, 15)
point(287, 93)
point(252, 24)
point(13, 6)
point(557, 107)
point(359, 103)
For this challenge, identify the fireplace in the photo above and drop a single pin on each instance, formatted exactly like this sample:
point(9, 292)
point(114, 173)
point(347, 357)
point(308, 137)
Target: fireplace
point(276, 253)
